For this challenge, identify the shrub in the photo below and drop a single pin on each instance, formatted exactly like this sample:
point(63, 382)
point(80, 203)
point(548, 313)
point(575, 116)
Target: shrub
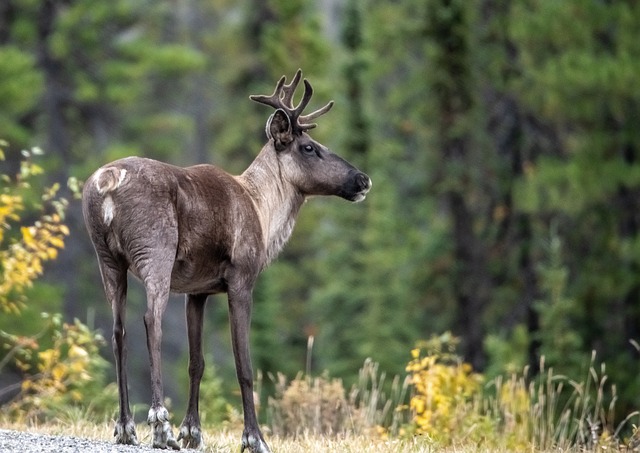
point(21, 259)
point(443, 390)
point(309, 405)
point(67, 373)
point(214, 408)
point(61, 366)
point(321, 405)
point(547, 412)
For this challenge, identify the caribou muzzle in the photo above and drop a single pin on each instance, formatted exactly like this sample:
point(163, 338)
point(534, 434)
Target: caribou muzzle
point(357, 188)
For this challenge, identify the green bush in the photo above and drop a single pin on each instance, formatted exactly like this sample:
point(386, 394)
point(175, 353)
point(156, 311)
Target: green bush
point(60, 365)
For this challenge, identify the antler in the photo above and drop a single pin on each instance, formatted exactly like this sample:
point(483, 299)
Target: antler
point(282, 98)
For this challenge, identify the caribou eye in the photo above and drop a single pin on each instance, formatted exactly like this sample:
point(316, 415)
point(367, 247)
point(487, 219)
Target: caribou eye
point(308, 149)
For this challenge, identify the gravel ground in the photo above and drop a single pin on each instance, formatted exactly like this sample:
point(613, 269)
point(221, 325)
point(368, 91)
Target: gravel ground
point(22, 442)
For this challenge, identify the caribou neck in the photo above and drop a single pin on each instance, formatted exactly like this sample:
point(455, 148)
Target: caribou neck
point(276, 200)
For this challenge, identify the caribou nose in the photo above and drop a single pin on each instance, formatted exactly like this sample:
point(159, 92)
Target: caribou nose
point(363, 182)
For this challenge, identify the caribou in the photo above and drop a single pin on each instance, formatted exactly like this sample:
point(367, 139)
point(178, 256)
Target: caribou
point(201, 231)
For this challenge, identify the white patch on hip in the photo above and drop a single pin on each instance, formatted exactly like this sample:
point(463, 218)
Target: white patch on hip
point(108, 210)
point(109, 179)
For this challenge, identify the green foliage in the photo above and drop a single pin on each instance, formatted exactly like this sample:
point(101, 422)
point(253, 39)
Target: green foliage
point(20, 89)
point(502, 143)
point(61, 365)
point(214, 408)
point(62, 369)
point(22, 257)
point(559, 314)
point(291, 40)
point(508, 352)
point(585, 187)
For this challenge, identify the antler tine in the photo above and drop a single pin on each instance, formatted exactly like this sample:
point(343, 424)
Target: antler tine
point(290, 89)
point(317, 113)
point(274, 100)
point(308, 92)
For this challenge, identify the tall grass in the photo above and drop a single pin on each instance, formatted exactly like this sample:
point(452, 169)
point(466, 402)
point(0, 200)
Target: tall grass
point(320, 405)
point(440, 405)
point(379, 408)
point(556, 412)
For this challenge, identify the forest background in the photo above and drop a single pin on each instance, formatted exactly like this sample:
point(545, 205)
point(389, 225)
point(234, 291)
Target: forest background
point(502, 138)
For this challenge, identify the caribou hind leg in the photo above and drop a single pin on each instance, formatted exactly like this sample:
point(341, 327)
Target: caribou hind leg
point(114, 278)
point(156, 271)
point(190, 431)
point(158, 417)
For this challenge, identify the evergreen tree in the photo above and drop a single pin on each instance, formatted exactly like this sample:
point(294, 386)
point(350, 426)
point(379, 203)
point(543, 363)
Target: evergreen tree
point(579, 79)
point(461, 185)
point(491, 130)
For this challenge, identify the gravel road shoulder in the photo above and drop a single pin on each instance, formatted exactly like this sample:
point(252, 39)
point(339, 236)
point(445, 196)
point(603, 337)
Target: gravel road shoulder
point(27, 442)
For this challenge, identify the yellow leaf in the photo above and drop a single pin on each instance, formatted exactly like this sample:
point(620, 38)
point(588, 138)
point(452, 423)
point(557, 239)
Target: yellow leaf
point(58, 372)
point(56, 242)
point(47, 356)
point(27, 236)
point(77, 367)
point(36, 169)
point(76, 351)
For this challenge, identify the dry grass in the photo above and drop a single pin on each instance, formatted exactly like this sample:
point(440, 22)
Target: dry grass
point(550, 414)
point(228, 440)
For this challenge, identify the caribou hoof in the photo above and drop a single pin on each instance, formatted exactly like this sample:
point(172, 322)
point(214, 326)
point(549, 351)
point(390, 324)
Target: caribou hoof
point(158, 418)
point(125, 432)
point(191, 436)
point(255, 444)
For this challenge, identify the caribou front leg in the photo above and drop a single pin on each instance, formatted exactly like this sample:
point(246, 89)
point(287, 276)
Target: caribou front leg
point(240, 319)
point(190, 430)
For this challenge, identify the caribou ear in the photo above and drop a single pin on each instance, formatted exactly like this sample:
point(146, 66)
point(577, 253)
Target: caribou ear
point(279, 129)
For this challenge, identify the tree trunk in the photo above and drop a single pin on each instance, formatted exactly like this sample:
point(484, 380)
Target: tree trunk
point(447, 26)
point(56, 93)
